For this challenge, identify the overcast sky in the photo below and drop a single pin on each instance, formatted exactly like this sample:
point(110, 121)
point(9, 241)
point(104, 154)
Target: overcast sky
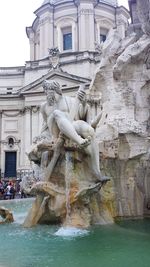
point(15, 15)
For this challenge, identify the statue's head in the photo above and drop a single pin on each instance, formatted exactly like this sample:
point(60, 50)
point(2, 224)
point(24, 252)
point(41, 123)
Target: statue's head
point(51, 85)
point(52, 90)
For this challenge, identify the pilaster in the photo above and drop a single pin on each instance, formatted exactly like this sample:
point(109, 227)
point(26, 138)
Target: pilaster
point(86, 26)
point(35, 121)
point(27, 132)
point(32, 47)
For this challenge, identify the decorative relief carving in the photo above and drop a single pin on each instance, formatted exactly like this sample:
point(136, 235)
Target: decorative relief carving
point(5, 142)
point(10, 113)
point(65, 22)
point(27, 109)
point(87, 11)
point(35, 109)
point(54, 57)
point(104, 23)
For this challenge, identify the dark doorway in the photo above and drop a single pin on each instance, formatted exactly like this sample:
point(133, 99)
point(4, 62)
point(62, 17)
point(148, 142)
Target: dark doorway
point(10, 164)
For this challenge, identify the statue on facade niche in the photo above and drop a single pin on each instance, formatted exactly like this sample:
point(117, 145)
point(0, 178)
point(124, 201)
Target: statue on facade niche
point(67, 151)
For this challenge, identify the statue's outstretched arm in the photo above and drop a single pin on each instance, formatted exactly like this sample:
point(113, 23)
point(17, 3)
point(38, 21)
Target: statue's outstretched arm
point(80, 100)
point(96, 120)
point(83, 107)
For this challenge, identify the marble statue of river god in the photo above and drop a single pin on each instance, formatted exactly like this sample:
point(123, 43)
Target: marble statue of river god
point(68, 154)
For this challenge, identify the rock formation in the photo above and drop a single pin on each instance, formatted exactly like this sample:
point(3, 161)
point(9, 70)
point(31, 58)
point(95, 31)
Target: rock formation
point(123, 80)
point(6, 215)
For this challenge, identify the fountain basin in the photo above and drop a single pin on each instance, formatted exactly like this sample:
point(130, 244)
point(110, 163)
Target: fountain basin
point(111, 245)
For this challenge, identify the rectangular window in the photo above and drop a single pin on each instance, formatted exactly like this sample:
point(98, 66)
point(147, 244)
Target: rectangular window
point(9, 90)
point(67, 38)
point(67, 41)
point(103, 34)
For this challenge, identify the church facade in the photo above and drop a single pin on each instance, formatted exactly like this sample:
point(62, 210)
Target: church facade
point(65, 40)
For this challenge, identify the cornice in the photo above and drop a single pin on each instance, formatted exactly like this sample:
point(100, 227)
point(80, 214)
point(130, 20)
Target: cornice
point(19, 112)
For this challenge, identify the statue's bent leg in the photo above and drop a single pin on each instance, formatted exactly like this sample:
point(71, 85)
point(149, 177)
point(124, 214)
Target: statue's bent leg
point(51, 165)
point(83, 128)
point(92, 150)
point(67, 128)
point(44, 159)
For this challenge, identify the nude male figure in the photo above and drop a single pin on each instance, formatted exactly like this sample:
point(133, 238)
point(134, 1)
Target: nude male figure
point(68, 116)
point(57, 116)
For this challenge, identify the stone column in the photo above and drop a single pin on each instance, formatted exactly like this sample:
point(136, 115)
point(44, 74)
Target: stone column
point(48, 33)
point(86, 26)
point(59, 39)
point(37, 47)
point(73, 37)
point(42, 41)
point(32, 47)
point(82, 45)
point(27, 132)
point(40, 118)
point(52, 31)
point(35, 121)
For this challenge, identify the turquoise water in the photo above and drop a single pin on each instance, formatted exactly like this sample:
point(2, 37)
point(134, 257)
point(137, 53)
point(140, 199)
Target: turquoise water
point(126, 244)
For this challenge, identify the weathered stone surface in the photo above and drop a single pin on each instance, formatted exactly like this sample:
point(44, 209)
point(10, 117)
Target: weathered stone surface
point(72, 197)
point(143, 7)
point(124, 85)
point(6, 215)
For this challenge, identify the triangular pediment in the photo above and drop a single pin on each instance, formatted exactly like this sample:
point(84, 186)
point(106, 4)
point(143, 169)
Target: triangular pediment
point(67, 81)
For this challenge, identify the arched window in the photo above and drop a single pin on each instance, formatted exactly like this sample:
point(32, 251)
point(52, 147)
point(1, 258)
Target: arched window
point(10, 142)
point(66, 34)
point(103, 27)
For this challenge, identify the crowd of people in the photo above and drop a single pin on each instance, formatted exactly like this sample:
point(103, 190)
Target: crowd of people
point(10, 190)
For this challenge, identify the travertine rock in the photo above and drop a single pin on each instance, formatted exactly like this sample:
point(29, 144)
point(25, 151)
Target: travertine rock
point(7, 216)
point(71, 197)
point(124, 130)
point(143, 7)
